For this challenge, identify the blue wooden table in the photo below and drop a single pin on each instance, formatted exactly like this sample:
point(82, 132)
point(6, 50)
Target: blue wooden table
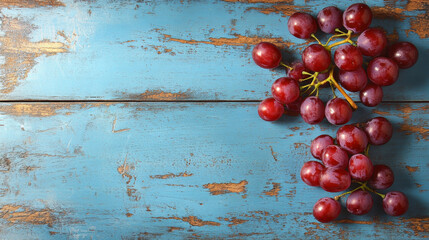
point(137, 120)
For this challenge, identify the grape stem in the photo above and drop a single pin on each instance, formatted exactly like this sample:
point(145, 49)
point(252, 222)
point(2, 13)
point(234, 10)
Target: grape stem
point(344, 194)
point(362, 186)
point(346, 96)
point(286, 66)
point(314, 36)
point(346, 40)
point(366, 152)
point(331, 80)
point(365, 187)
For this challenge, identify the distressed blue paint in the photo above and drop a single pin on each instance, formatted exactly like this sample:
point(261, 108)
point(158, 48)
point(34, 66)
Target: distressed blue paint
point(77, 156)
point(110, 70)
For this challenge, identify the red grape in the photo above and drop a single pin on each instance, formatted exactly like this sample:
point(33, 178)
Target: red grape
point(383, 71)
point(348, 58)
point(296, 71)
point(379, 130)
point(334, 156)
point(316, 58)
point(312, 110)
point(310, 173)
point(352, 139)
point(353, 81)
point(360, 167)
point(359, 202)
point(405, 54)
point(338, 111)
point(382, 177)
point(371, 95)
point(302, 25)
point(270, 109)
point(395, 203)
point(335, 179)
point(329, 19)
point(266, 55)
point(285, 90)
point(357, 17)
point(326, 210)
point(295, 106)
point(319, 144)
point(372, 42)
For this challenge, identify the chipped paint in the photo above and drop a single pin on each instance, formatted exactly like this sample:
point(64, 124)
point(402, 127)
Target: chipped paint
point(34, 110)
point(238, 40)
point(171, 229)
point(222, 188)
point(419, 225)
point(31, 3)
point(412, 169)
point(419, 23)
point(285, 10)
point(159, 95)
point(20, 53)
point(171, 175)
point(120, 130)
point(274, 154)
point(21, 214)
point(260, 1)
point(274, 191)
point(234, 221)
point(192, 220)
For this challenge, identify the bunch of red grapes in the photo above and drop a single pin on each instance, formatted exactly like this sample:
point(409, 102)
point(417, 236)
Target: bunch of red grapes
point(299, 91)
point(345, 160)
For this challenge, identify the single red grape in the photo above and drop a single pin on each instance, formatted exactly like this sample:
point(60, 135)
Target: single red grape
point(334, 156)
point(266, 55)
point(326, 210)
point(371, 95)
point(270, 109)
point(357, 17)
point(360, 167)
point(383, 71)
point(405, 54)
point(295, 106)
point(359, 202)
point(353, 81)
point(372, 42)
point(379, 130)
point(338, 111)
point(352, 139)
point(316, 58)
point(329, 19)
point(382, 177)
point(335, 179)
point(395, 203)
point(310, 173)
point(296, 71)
point(319, 144)
point(348, 58)
point(302, 25)
point(285, 90)
point(312, 110)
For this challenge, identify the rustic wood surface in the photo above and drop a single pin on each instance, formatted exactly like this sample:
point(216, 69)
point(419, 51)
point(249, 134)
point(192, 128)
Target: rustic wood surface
point(137, 120)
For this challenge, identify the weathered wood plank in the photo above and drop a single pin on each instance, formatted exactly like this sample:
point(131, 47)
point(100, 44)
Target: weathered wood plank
point(170, 50)
point(179, 170)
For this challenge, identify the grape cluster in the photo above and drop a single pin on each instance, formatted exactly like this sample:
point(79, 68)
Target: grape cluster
point(299, 91)
point(345, 161)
